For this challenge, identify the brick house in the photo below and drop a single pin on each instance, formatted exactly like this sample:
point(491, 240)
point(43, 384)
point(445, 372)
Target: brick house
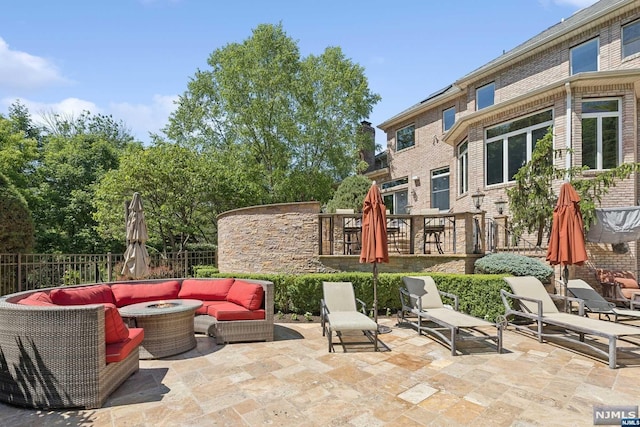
point(580, 76)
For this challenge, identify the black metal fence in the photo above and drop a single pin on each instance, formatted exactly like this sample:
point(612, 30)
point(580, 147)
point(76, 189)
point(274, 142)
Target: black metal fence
point(19, 272)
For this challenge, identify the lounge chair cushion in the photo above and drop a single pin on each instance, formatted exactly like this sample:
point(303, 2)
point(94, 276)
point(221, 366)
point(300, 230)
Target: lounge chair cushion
point(223, 310)
point(37, 298)
point(629, 293)
point(132, 293)
point(627, 282)
point(205, 290)
point(119, 351)
point(350, 321)
point(114, 328)
point(248, 295)
point(95, 294)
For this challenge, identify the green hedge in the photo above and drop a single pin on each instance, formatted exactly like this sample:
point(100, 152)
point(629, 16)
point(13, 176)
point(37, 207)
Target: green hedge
point(479, 294)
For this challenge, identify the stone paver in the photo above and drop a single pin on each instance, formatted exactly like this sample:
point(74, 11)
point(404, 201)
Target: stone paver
point(294, 381)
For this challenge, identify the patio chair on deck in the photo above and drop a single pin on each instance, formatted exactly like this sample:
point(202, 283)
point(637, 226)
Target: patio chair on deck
point(422, 307)
point(595, 303)
point(529, 300)
point(338, 313)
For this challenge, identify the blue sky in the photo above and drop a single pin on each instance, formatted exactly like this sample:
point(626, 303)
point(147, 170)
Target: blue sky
point(132, 58)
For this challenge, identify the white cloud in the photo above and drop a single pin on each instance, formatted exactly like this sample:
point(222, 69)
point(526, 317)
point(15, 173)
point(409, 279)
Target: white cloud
point(20, 70)
point(145, 118)
point(140, 119)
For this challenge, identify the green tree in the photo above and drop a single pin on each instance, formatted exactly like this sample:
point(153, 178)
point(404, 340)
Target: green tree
point(293, 122)
point(76, 154)
point(532, 198)
point(16, 224)
point(18, 153)
point(350, 194)
point(182, 193)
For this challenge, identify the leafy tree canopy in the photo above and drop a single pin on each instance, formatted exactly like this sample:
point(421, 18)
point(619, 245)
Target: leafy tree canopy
point(16, 225)
point(350, 194)
point(292, 122)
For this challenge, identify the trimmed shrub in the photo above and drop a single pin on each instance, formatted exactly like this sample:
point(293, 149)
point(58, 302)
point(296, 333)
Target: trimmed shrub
point(514, 265)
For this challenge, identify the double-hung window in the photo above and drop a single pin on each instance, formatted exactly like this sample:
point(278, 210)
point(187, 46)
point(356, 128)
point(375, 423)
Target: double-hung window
point(631, 39)
point(463, 168)
point(584, 57)
point(448, 118)
point(601, 133)
point(440, 189)
point(485, 96)
point(508, 146)
point(405, 137)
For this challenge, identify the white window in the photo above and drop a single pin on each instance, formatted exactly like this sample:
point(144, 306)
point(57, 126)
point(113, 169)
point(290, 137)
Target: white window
point(463, 168)
point(440, 189)
point(448, 118)
point(405, 138)
point(584, 57)
point(508, 146)
point(396, 203)
point(631, 39)
point(601, 133)
point(485, 96)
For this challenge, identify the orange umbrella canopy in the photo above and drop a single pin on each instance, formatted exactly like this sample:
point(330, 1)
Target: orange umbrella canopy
point(567, 242)
point(374, 228)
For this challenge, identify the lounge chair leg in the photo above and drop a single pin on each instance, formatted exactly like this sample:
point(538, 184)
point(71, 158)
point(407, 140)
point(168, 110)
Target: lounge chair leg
point(329, 335)
point(612, 353)
point(453, 341)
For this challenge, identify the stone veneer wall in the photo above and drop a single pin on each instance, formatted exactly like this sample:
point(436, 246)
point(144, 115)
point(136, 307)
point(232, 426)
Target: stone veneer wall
point(280, 238)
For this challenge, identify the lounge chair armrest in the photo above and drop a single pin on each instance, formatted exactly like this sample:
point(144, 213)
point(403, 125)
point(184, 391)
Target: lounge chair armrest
point(635, 302)
point(405, 298)
point(454, 297)
point(504, 294)
point(323, 307)
point(363, 306)
point(579, 301)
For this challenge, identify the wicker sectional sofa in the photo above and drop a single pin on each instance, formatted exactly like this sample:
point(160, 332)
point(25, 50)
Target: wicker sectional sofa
point(66, 354)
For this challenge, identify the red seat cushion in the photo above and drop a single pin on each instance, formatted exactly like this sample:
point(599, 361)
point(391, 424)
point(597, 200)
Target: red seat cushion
point(95, 294)
point(248, 295)
point(627, 283)
point(120, 350)
point(132, 293)
point(37, 298)
point(204, 309)
point(114, 328)
point(205, 290)
point(230, 311)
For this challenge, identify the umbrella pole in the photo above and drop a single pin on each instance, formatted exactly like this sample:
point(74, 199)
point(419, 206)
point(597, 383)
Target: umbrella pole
point(375, 292)
point(565, 280)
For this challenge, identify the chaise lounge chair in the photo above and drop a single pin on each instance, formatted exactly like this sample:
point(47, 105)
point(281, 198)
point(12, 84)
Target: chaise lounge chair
point(531, 301)
point(596, 304)
point(422, 307)
point(338, 313)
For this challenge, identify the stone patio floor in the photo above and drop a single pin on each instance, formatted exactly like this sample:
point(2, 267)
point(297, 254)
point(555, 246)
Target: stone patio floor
point(294, 381)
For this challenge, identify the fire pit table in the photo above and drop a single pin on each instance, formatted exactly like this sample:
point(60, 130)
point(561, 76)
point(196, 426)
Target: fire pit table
point(167, 324)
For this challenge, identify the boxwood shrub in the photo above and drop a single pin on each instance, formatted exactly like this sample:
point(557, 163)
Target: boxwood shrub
point(513, 265)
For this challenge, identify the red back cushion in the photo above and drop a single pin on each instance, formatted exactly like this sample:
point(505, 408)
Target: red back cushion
point(132, 293)
point(205, 290)
point(248, 295)
point(114, 328)
point(95, 294)
point(36, 298)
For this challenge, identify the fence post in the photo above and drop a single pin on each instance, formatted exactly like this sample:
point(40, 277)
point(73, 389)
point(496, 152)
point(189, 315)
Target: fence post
point(19, 264)
point(109, 274)
point(186, 264)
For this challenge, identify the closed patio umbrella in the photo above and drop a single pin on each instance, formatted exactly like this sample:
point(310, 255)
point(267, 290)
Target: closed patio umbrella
point(567, 243)
point(374, 237)
point(136, 258)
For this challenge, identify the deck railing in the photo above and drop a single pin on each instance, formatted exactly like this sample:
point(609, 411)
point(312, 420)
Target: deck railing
point(341, 234)
point(19, 272)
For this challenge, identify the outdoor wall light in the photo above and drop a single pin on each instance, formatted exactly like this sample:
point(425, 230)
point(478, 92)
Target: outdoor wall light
point(500, 204)
point(477, 197)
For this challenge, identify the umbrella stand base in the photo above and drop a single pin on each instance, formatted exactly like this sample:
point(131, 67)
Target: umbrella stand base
point(382, 329)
